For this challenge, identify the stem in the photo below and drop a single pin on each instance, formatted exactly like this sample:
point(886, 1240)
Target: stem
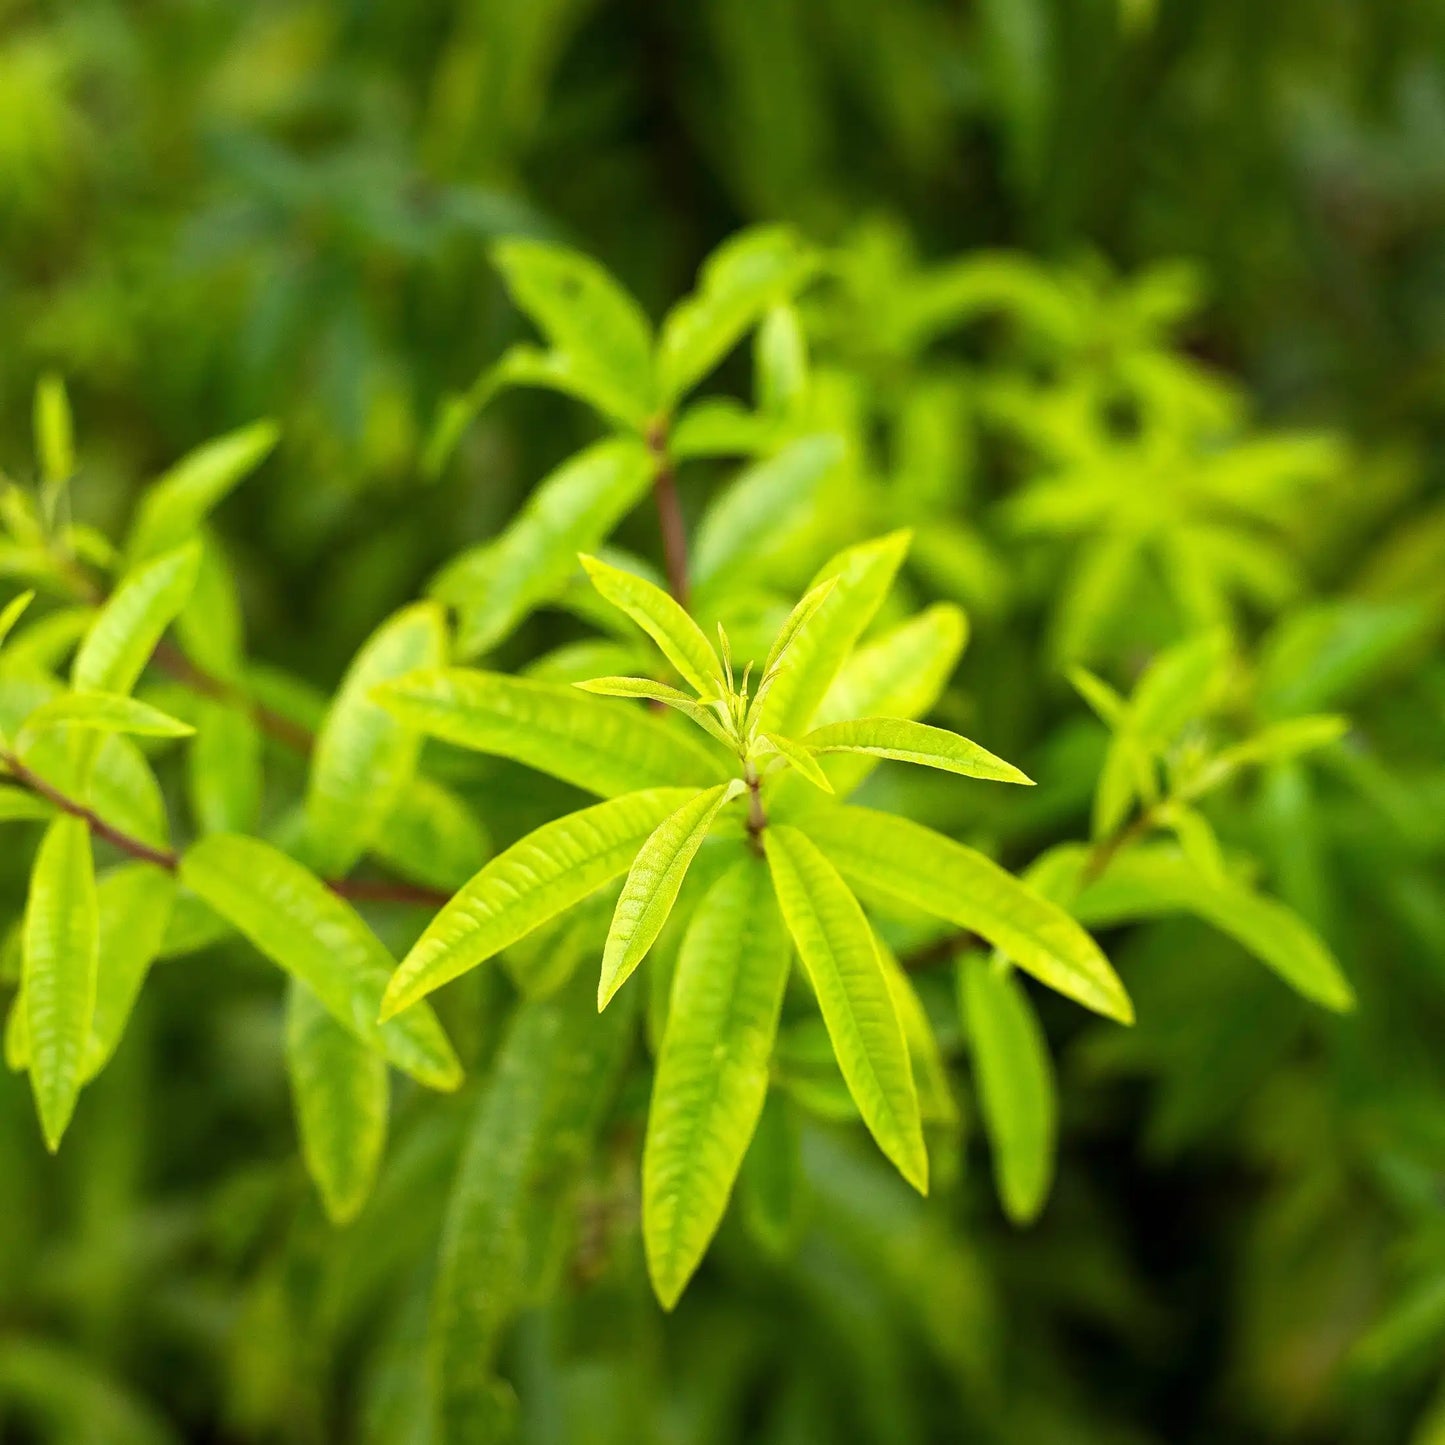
point(356, 891)
point(172, 661)
point(757, 819)
point(669, 514)
point(1107, 849)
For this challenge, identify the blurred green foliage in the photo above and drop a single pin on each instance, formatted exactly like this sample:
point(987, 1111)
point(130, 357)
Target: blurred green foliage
point(1135, 313)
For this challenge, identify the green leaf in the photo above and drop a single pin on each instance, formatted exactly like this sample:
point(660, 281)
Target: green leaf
point(800, 758)
point(837, 948)
point(719, 426)
point(126, 630)
point(913, 742)
point(653, 882)
point(61, 947)
point(1177, 687)
point(1276, 743)
point(712, 1073)
point(1156, 882)
point(861, 576)
point(599, 746)
point(111, 712)
point(19, 806)
point(936, 1103)
point(780, 360)
point(340, 1092)
point(902, 862)
point(1111, 709)
point(560, 371)
point(496, 585)
point(738, 283)
point(535, 1122)
point(223, 768)
point(535, 879)
point(365, 756)
point(764, 500)
point(291, 917)
point(771, 1188)
point(133, 909)
point(54, 431)
point(1015, 1083)
point(12, 612)
point(665, 622)
point(172, 508)
point(432, 837)
point(583, 313)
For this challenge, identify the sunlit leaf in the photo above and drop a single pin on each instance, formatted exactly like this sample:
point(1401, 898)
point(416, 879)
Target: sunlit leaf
point(913, 742)
point(836, 946)
point(110, 712)
point(712, 1073)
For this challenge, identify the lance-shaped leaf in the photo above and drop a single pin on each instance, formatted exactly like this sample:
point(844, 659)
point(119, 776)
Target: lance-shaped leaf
point(535, 1121)
point(535, 879)
point(12, 612)
point(712, 1073)
point(1156, 882)
point(836, 944)
point(595, 745)
point(302, 926)
point(738, 283)
point(913, 742)
point(133, 904)
point(494, 586)
point(560, 371)
point(54, 431)
point(1015, 1083)
point(61, 946)
point(936, 1103)
point(897, 860)
point(119, 785)
point(127, 629)
point(664, 620)
point(1177, 686)
point(583, 313)
point(652, 885)
point(111, 712)
point(365, 756)
point(339, 1089)
point(702, 713)
point(861, 576)
point(223, 768)
point(173, 507)
point(763, 504)
point(800, 758)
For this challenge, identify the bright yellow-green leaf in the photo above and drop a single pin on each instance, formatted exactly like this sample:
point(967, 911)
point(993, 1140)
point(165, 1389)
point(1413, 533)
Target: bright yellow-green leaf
point(661, 617)
point(780, 361)
point(126, 630)
point(861, 576)
point(340, 1092)
point(652, 885)
point(61, 947)
point(299, 924)
point(12, 612)
point(1151, 882)
point(495, 585)
point(111, 712)
point(173, 507)
point(583, 313)
point(1015, 1083)
point(599, 746)
point(365, 756)
point(223, 768)
point(54, 431)
point(836, 945)
point(712, 1073)
point(900, 861)
point(738, 283)
point(913, 742)
point(535, 879)
point(133, 905)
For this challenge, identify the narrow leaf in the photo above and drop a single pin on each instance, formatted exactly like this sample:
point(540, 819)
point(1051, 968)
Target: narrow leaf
point(595, 745)
point(126, 630)
point(800, 758)
point(1015, 1083)
point(913, 742)
point(61, 948)
point(299, 924)
point(712, 1074)
point(664, 620)
point(496, 585)
point(836, 945)
point(900, 861)
point(652, 885)
point(365, 756)
point(111, 712)
point(340, 1092)
point(1154, 882)
point(535, 879)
